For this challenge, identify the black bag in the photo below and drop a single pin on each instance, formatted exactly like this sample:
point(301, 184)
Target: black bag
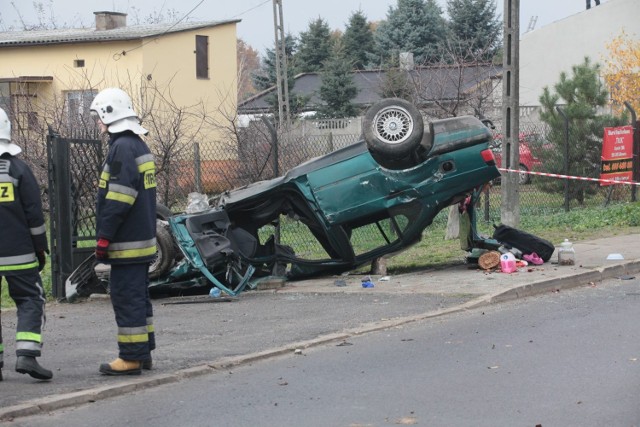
point(525, 242)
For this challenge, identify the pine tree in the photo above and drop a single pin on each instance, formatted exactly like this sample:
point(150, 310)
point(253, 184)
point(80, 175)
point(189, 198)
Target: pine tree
point(358, 40)
point(415, 26)
point(580, 95)
point(265, 77)
point(474, 29)
point(337, 89)
point(314, 47)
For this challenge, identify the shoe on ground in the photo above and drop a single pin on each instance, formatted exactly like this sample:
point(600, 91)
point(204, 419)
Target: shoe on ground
point(147, 364)
point(122, 367)
point(29, 365)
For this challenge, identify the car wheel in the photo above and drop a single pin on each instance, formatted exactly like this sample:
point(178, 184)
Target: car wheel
point(523, 177)
point(165, 255)
point(393, 129)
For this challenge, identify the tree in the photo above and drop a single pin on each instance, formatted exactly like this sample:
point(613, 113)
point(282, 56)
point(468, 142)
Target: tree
point(581, 94)
point(622, 71)
point(337, 89)
point(248, 64)
point(265, 76)
point(314, 47)
point(415, 26)
point(358, 40)
point(474, 28)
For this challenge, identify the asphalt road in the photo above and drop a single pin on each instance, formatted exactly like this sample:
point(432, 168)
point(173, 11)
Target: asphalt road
point(570, 358)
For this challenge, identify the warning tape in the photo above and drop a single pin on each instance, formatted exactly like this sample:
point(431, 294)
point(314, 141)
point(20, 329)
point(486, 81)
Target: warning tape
point(581, 178)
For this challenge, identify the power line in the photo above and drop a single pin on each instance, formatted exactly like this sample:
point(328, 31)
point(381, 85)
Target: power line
point(186, 15)
point(250, 9)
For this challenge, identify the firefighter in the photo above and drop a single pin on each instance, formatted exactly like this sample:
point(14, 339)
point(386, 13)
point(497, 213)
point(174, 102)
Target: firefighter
point(22, 253)
point(126, 228)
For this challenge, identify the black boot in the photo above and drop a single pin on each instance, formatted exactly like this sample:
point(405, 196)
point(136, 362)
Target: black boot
point(29, 365)
point(147, 364)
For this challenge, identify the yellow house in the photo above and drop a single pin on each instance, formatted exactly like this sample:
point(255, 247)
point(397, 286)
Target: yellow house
point(50, 77)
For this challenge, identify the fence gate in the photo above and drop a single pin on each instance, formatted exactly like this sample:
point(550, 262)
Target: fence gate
point(74, 168)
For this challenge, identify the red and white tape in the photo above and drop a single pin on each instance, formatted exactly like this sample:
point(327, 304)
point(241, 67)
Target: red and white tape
point(581, 178)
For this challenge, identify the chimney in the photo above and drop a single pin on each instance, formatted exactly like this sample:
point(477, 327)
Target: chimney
point(406, 61)
point(110, 20)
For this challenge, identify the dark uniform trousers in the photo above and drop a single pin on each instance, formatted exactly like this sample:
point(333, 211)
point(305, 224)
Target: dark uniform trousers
point(27, 292)
point(129, 288)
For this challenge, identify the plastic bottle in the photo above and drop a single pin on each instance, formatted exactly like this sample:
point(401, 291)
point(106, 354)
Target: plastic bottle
point(214, 292)
point(566, 253)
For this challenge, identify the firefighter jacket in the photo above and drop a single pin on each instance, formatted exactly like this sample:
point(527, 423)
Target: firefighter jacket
point(23, 228)
point(126, 204)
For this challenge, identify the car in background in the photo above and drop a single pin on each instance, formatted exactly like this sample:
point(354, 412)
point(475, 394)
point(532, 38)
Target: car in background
point(362, 202)
point(526, 147)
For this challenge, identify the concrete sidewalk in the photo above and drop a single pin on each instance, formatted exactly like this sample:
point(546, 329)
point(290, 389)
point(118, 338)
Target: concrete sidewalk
point(200, 335)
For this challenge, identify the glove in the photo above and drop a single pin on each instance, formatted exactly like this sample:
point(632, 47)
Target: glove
point(101, 249)
point(42, 260)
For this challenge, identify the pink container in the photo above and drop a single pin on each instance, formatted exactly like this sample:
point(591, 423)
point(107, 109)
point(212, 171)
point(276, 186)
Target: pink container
point(508, 263)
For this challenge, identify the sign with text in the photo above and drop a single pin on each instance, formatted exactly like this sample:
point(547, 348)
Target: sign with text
point(617, 154)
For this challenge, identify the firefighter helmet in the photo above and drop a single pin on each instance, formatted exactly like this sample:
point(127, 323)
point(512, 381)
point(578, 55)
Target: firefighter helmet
point(6, 146)
point(115, 109)
point(112, 104)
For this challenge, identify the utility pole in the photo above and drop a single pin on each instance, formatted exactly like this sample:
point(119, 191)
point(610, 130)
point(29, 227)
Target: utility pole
point(510, 209)
point(284, 120)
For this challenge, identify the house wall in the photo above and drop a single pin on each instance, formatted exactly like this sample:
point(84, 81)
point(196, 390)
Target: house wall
point(167, 62)
point(554, 48)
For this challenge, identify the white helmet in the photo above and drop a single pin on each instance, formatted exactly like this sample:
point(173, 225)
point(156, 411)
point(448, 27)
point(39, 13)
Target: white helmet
point(115, 109)
point(112, 104)
point(5, 126)
point(6, 146)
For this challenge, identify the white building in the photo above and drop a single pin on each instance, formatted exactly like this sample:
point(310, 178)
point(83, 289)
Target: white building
point(546, 52)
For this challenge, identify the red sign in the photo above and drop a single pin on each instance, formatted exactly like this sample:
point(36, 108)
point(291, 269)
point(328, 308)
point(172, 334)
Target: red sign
point(617, 154)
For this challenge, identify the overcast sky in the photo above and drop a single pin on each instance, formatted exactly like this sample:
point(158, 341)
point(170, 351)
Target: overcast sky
point(256, 27)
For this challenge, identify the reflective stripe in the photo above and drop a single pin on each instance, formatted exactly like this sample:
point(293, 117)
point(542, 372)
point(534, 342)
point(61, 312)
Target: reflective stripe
point(104, 177)
point(38, 230)
point(133, 335)
point(132, 253)
point(19, 267)
point(18, 259)
point(150, 327)
point(132, 331)
point(123, 196)
point(145, 162)
point(28, 341)
point(132, 249)
point(8, 178)
point(140, 244)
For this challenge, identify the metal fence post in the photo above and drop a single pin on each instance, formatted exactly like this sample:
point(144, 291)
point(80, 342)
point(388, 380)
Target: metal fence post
point(566, 158)
point(276, 169)
point(197, 167)
point(636, 149)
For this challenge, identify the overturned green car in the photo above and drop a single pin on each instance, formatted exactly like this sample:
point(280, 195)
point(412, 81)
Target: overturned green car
point(359, 203)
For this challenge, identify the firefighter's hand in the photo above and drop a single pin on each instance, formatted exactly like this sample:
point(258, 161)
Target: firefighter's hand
point(42, 260)
point(101, 249)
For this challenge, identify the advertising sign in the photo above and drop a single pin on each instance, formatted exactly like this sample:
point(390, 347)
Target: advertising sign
point(617, 154)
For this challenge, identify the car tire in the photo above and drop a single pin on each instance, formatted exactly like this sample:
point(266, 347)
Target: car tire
point(166, 252)
point(163, 212)
point(393, 130)
point(524, 178)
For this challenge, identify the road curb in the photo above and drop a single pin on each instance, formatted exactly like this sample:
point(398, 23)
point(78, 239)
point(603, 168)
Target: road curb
point(571, 280)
